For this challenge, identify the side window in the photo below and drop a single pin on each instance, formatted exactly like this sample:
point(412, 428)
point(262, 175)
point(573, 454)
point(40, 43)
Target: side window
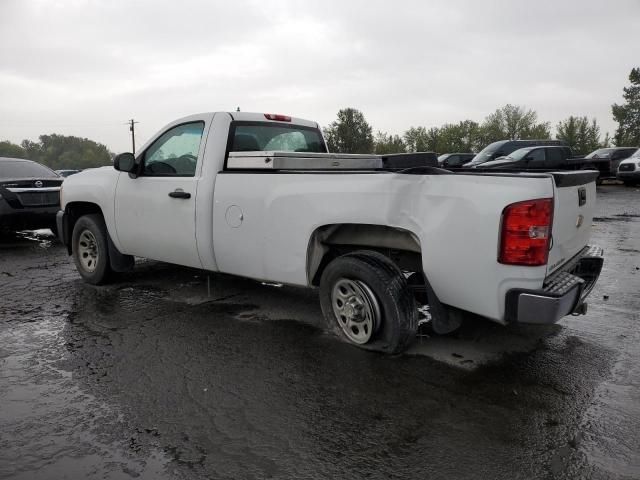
point(175, 153)
point(536, 158)
point(554, 157)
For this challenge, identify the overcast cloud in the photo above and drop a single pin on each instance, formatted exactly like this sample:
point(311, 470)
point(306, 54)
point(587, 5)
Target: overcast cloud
point(83, 67)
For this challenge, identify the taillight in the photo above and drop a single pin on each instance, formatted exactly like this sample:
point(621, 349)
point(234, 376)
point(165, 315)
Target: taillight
point(277, 117)
point(526, 232)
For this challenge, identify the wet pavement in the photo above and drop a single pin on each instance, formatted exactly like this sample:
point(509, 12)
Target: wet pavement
point(170, 373)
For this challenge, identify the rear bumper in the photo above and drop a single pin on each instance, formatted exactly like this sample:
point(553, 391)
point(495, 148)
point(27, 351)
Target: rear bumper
point(564, 292)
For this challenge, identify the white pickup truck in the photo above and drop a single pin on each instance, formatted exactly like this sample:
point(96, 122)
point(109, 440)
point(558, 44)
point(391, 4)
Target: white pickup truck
point(258, 195)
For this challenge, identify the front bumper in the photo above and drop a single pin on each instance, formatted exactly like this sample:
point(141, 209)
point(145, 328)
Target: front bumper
point(629, 175)
point(26, 218)
point(563, 292)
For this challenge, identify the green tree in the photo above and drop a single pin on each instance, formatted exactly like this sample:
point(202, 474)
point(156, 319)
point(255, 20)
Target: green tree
point(581, 135)
point(386, 143)
point(514, 122)
point(627, 115)
point(11, 150)
point(62, 152)
point(416, 139)
point(350, 133)
point(459, 137)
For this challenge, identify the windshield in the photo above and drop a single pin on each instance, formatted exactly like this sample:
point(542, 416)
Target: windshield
point(443, 157)
point(519, 154)
point(636, 154)
point(261, 137)
point(486, 153)
point(602, 153)
point(22, 169)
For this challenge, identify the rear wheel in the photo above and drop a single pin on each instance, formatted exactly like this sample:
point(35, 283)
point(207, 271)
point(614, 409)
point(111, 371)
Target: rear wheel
point(367, 302)
point(90, 249)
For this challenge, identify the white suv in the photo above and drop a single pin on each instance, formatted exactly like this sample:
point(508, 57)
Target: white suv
point(629, 170)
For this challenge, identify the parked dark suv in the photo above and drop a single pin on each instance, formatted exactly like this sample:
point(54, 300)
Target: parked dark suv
point(29, 195)
point(505, 147)
point(454, 160)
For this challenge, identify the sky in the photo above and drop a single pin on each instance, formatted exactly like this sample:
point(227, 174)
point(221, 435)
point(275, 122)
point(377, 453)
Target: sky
point(84, 67)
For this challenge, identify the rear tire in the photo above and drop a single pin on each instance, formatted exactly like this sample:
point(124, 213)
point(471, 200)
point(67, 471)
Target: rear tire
point(366, 301)
point(90, 249)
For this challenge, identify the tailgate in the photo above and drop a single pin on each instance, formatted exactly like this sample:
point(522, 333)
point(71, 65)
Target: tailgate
point(574, 204)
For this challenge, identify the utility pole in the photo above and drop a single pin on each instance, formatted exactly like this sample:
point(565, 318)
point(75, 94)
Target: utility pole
point(132, 129)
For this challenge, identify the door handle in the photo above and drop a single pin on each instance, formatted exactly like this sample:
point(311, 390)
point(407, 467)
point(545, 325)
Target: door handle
point(179, 194)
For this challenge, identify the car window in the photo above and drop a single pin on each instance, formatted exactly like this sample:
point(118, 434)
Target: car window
point(22, 169)
point(263, 137)
point(601, 153)
point(554, 157)
point(536, 158)
point(455, 161)
point(175, 153)
point(519, 154)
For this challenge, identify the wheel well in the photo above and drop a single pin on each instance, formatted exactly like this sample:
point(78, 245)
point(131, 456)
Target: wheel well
point(331, 241)
point(74, 211)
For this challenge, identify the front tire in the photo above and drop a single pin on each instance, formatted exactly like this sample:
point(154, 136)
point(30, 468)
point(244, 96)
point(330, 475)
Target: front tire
point(90, 249)
point(366, 300)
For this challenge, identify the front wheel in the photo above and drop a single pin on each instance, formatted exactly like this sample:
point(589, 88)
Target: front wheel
point(90, 249)
point(366, 300)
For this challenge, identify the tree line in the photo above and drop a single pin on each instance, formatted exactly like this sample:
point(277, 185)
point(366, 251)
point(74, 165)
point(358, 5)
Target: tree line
point(351, 133)
point(60, 152)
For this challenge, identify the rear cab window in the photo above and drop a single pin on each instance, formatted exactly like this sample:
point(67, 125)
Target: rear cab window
point(269, 137)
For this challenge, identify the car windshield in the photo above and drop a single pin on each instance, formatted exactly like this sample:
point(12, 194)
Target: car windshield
point(519, 154)
point(636, 154)
point(486, 153)
point(262, 137)
point(22, 169)
point(602, 153)
point(443, 157)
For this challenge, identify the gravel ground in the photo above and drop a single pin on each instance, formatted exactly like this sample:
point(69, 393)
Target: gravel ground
point(170, 373)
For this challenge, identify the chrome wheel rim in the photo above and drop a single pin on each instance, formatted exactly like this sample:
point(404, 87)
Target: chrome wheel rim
point(356, 310)
point(88, 251)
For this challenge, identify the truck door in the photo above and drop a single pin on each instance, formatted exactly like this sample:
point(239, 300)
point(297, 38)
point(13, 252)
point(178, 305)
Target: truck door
point(555, 158)
point(155, 212)
point(536, 159)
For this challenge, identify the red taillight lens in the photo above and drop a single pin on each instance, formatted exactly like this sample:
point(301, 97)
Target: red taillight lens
point(277, 117)
point(526, 232)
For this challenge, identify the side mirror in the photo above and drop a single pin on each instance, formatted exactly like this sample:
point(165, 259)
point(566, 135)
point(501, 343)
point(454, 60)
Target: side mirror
point(124, 162)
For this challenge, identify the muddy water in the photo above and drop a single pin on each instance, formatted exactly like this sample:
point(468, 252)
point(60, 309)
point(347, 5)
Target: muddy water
point(157, 377)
